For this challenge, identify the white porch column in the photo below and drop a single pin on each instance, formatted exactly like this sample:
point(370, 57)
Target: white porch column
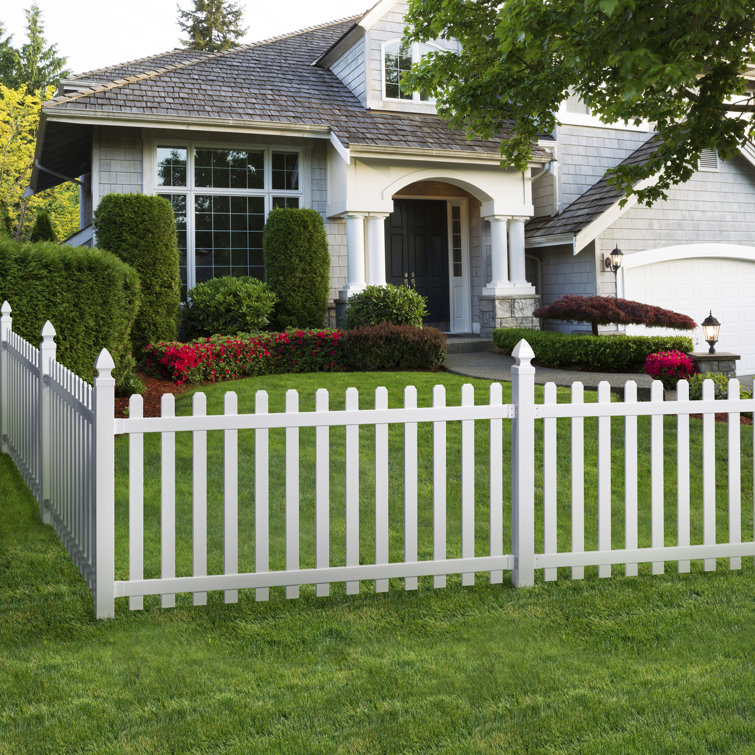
point(516, 251)
point(498, 254)
point(354, 254)
point(376, 249)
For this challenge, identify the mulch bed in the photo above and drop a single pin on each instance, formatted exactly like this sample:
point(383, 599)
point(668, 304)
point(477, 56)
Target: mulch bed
point(155, 387)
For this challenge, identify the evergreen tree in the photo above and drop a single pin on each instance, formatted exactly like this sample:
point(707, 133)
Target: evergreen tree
point(8, 58)
point(38, 64)
point(42, 230)
point(211, 25)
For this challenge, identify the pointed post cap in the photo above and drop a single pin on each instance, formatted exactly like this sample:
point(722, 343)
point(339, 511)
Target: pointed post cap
point(104, 364)
point(48, 331)
point(5, 309)
point(523, 352)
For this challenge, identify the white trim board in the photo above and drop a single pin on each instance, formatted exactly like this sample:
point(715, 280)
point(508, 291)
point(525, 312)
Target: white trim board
point(688, 251)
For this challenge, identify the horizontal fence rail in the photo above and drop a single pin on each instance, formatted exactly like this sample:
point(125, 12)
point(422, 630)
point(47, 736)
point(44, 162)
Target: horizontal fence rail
point(355, 490)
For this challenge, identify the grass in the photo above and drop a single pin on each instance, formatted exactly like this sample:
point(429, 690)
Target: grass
point(648, 664)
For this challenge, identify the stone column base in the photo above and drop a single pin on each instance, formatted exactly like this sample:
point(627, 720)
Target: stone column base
point(500, 311)
point(722, 362)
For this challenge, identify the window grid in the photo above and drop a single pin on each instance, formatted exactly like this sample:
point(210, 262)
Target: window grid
point(456, 241)
point(220, 225)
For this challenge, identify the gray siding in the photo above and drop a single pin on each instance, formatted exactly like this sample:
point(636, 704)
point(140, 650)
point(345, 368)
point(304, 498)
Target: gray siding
point(120, 161)
point(544, 196)
point(351, 69)
point(712, 207)
point(585, 153)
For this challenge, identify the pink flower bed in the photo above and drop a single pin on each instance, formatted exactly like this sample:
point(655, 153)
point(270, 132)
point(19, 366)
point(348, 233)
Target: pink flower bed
point(669, 367)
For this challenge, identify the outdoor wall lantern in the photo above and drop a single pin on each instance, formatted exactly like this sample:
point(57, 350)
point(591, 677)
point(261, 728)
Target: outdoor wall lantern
point(614, 260)
point(711, 327)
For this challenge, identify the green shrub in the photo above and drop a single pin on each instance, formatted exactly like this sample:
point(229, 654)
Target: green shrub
point(246, 355)
point(141, 230)
point(89, 296)
point(395, 347)
point(612, 353)
point(720, 386)
point(397, 305)
point(42, 230)
point(227, 306)
point(297, 266)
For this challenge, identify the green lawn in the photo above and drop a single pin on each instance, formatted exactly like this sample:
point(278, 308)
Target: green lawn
point(648, 664)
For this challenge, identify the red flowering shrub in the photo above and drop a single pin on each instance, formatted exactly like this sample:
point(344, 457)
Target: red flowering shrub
point(231, 357)
point(606, 310)
point(669, 367)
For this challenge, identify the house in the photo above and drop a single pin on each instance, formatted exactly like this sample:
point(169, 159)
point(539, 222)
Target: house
point(317, 119)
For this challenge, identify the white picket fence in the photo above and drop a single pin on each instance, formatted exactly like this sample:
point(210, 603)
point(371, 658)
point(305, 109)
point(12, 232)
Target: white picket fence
point(61, 435)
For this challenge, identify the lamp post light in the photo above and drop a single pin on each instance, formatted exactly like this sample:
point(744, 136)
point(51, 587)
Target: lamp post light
point(613, 262)
point(711, 328)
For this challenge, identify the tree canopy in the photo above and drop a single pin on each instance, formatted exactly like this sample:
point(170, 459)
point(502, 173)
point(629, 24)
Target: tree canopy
point(36, 64)
point(211, 25)
point(680, 65)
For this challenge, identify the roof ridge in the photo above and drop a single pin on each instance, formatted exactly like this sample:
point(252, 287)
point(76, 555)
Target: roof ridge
point(128, 63)
point(185, 64)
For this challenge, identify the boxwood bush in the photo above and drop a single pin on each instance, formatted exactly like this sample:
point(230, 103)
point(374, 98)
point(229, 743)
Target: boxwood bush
point(397, 305)
point(89, 295)
point(228, 305)
point(297, 266)
point(141, 230)
point(395, 347)
point(610, 353)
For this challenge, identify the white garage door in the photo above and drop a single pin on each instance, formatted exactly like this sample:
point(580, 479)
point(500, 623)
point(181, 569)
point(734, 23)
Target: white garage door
point(696, 286)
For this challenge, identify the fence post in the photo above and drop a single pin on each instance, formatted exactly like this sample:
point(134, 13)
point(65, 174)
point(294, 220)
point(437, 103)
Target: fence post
point(47, 351)
point(523, 466)
point(6, 326)
point(104, 487)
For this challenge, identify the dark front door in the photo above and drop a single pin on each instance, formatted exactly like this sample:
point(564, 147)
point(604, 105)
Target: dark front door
point(416, 252)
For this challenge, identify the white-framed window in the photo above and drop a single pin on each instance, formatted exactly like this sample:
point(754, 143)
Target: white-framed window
point(397, 59)
point(221, 197)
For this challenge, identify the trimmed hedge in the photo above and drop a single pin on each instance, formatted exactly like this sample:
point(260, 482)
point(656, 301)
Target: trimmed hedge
point(228, 305)
point(610, 353)
point(396, 305)
point(297, 266)
point(395, 347)
point(42, 230)
point(141, 230)
point(231, 357)
point(89, 296)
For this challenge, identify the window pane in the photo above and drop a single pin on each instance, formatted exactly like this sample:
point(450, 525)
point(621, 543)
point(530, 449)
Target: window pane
point(178, 202)
point(286, 202)
point(398, 59)
point(229, 168)
point(286, 171)
point(171, 166)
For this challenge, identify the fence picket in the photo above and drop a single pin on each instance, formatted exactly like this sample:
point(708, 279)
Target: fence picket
point(136, 502)
point(168, 499)
point(467, 483)
point(199, 496)
point(439, 485)
point(381, 489)
point(735, 475)
point(410, 486)
point(550, 481)
point(352, 490)
point(496, 482)
point(682, 476)
point(604, 478)
point(577, 479)
point(231, 496)
point(322, 492)
point(656, 475)
point(709, 476)
point(630, 478)
point(292, 493)
point(261, 496)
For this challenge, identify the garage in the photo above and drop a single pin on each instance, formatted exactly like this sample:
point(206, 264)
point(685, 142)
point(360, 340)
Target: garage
point(694, 280)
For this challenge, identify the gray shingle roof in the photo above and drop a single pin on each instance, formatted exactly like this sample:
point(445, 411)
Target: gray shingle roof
point(273, 81)
point(590, 206)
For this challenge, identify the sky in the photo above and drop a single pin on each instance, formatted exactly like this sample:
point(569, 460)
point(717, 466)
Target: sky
point(98, 33)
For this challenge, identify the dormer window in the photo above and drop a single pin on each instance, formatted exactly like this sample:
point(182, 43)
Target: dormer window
point(397, 60)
